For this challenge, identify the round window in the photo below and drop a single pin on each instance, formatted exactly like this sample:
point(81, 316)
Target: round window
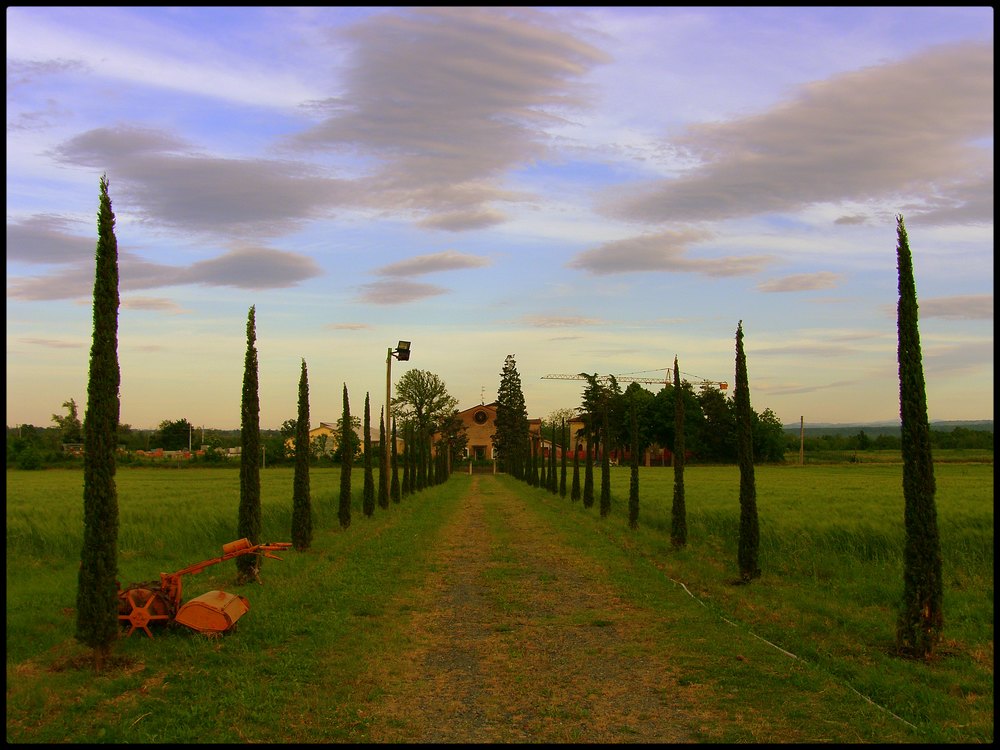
point(480, 417)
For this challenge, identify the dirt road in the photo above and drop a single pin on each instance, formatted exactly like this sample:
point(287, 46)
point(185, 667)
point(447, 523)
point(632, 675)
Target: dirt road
point(517, 638)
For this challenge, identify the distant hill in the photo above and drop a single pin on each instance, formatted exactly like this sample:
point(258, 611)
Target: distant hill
point(874, 429)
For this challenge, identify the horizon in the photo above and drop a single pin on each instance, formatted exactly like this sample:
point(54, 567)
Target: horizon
point(591, 189)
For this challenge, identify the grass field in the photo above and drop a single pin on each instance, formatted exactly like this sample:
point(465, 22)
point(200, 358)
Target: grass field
point(831, 541)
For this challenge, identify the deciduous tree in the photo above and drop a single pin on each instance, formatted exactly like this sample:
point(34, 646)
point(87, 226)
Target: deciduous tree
point(173, 435)
point(921, 618)
point(423, 397)
point(70, 429)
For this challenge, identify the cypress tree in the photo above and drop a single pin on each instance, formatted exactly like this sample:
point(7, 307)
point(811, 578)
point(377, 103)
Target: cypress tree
point(406, 488)
point(605, 459)
point(921, 618)
point(368, 497)
point(422, 458)
point(749, 528)
point(633, 485)
point(574, 493)
point(394, 490)
point(249, 522)
point(97, 625)
point(346, 461)
point(678, 513)
point(562, 475)
point(543, 476)
point(301, 502)
point(535, 481)
point(383, 486)
point(553, 474)
point(412, 450)
point(588, 469)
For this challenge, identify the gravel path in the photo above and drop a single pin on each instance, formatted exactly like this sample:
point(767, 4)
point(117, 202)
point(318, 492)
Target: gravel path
point(516, 638)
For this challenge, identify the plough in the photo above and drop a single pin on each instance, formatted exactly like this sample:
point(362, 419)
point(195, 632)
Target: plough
point(142, 604)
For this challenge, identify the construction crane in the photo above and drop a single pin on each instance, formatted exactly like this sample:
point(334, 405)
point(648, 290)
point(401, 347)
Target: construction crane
point(665, 380)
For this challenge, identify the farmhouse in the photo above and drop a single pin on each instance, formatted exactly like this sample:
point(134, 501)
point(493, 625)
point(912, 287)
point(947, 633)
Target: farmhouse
point(480, 424)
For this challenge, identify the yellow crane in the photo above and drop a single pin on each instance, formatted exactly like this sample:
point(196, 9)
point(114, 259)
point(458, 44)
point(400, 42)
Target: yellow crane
point(665, 380)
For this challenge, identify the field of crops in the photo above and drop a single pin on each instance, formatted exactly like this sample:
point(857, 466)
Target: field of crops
point(831, 547)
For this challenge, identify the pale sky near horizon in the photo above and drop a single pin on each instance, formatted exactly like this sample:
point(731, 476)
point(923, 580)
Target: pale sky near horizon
point(591, 189)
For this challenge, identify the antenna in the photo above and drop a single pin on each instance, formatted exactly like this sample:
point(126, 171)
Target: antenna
point(482, 395)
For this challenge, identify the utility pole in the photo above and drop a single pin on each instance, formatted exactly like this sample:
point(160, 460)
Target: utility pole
point(802, 440)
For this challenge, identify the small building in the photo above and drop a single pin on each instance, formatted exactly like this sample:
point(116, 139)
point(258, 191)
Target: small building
point(480, 424)
point(328, 436)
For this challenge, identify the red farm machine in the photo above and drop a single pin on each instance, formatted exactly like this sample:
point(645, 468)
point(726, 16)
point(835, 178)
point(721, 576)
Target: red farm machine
point(215, 612)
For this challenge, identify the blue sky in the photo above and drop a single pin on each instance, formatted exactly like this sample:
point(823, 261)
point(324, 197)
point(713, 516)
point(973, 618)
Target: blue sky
point(590, 189)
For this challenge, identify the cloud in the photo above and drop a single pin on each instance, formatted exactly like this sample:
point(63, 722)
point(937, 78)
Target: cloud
point(794, 390)
point(853, 220)
point(665, 251)
point(254, 268)
point(348, 327)
point(45, 238)
point(172, 185)
point(557, 321)
point(804, 351)
point(850, 137)
point(51, 343)
point(22, 72)
point(460, 221)
point(448, 260)
point(801, 282)
point(163, 53)
point(243, 267)
point(397, 292)
point(450, 99)
point(155, 304)
point(967, 307)
point(68, 283)
point(959, 359)
point(964, 203)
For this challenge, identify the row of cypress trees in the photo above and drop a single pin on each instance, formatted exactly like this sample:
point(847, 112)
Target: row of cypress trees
point(920, 619)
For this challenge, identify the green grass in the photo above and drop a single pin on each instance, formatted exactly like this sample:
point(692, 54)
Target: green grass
point(831, 541)
point(318, 613)
point(831, 554)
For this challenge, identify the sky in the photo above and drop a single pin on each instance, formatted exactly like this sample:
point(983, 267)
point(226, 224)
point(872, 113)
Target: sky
point(589, 189)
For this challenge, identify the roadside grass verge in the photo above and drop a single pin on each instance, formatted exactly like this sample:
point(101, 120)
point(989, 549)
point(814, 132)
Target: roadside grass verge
point(288, 672)
point(831, 554)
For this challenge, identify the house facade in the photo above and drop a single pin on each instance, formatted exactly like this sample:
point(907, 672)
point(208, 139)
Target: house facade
point(480, 424)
